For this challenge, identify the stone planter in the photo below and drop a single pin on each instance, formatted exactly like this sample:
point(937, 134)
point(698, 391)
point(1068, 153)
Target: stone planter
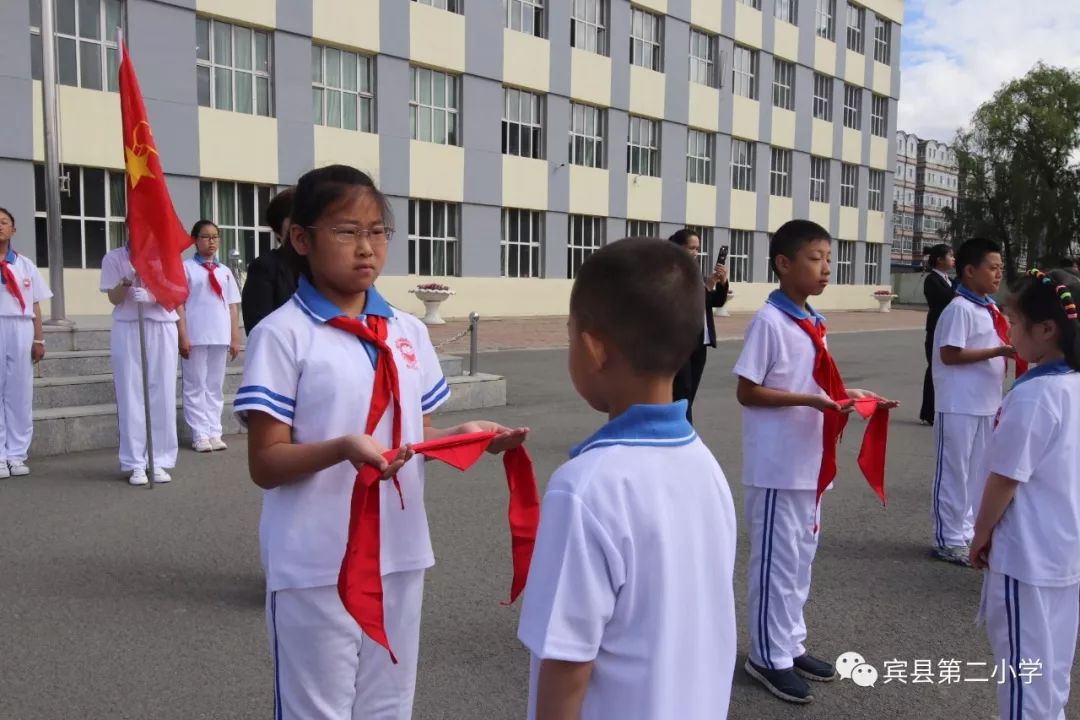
point(884, 302)
point(432, 299)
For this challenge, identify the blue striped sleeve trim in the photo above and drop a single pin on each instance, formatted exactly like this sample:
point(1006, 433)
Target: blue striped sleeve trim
point(434, 391)
point(268, 393)
point(435, 397)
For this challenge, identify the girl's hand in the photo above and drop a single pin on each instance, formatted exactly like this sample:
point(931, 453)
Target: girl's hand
point(856, 394)
point(363, 450)
point(507, 438)
point(234, 348)
point(824, 402)
point(185, 348)
point(980, 551)
point(37, 351)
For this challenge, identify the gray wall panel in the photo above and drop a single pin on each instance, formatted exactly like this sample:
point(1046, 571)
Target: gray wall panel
point(295, 17)
point(723, 181)
point(483, 140)
point(618, 179)
point(761, 172)
point(480, 240)
point(397, 254)
point(557, 129)
point(619, 47)
point(834, 197)
point(17, 137)
point(394, 27)
point(677, 72)
point(800, 184)
point(860, 263)
point(559, 38)
point(804, 108)
point(17, 195)
point(393, 90)
point(556, 231)
point(292, 89)
point(673, 171)
point(759, 258)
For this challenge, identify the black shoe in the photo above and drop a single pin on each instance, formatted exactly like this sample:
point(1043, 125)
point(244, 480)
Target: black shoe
point(784, 684)
point(815, 669)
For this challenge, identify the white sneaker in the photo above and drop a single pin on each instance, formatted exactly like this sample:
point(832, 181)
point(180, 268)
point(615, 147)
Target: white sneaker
point(160, 476)
point(138, 477)
point(202, 446)
point(18, 469)
point(4, 472)
point(218, 444)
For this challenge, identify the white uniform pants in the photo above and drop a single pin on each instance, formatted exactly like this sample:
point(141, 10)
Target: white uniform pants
point(16, 387)
point(204, 397)
point(161, 354)
point(325, 668)
point(782, 548)
point(961, 441)
point(1028, 624)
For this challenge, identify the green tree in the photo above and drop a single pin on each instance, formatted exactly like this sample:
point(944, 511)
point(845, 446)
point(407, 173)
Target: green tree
point(1019, 182)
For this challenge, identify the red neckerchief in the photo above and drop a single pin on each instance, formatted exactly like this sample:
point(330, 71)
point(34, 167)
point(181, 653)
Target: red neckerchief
point(872, 450)
point(215, 285)
point(360, 579)
point(11, 283)
point(1001, 327)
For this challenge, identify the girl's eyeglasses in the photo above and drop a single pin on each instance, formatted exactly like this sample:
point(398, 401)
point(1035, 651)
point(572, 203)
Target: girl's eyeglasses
point(353, 234)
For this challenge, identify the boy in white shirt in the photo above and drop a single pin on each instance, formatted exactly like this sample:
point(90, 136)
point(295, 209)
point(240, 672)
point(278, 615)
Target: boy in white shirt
point(22, 343)
point(970, 347)
point(1028, 530)
point(209, 330)
point(629, 610)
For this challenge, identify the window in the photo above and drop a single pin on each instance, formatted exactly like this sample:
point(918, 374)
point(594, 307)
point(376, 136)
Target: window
point(787, 10)
point(706, 259)
point(433, 238)
point(588, 26)
point(780, 173)
point(819, 179)
point(703, 59)
point(586, 235)
point(845, 262)
point(238, 210)
point(823, 90)
point(856, 24)
point(879, 115)
point(783, 87)
point(824, 19)
point(744, 70)
point(451, 5)
point(876, 196)
point(91, 216)
point(587, 135)
point(643, 147)
point(872, 268)
point(852, 107)
point(522, 125)
point(699, 157)
point(522, 241)
point(849, 184)
point(642, 228)
point(882, 40)
point(343, 89)
point(756, 4)
point(526, 16)
point(232, 67)
point(742, 165)
point(645, 43)
point(433, 110)
point(87, 51)
point(742, 243)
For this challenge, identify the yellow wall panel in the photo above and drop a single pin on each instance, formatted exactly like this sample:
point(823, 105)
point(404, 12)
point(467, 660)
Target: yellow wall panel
point(786, 41)
point(90, 128)
point(436, 37)
point(350, 23)
point(526, 61)
point(745, 121)
point(251, 12)
point(646, 92)
point(819, 213)
point(882, 79)
point(879, 153)
point(706, 14)
point(743, 210)
point(783, 127)
point(524, 183)
point(849, 224)
point(780, 211)
point(700, 204)
point(590, 77)
point(875, 227)
point(855, 68)
point(644, 197)
point(335, 145)
point(436, 172)
point(235, 146)
point(704, 107)
point(821, 143)
point(747, 25)
point(852, 147)
point(588, 190)
point(824, 56)
point(892, 9)
point(659, 6)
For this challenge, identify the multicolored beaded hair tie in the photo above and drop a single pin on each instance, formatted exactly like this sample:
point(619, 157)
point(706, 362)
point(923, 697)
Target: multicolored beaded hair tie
point(1063, 292)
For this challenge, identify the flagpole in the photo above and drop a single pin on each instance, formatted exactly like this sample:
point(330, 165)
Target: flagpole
point(57, 314)
point(146, 396)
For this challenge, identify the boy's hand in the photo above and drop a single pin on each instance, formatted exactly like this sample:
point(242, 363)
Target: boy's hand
point(507, 438)
point(363, 450)
point(856, 394)
point(980, 550)
point(185, 347)
point(824, 402)
point(1006, 351)
point(234, 348)
point(37, 351)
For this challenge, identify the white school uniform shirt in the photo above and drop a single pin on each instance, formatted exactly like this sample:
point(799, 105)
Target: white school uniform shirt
point(1037, 443)
point(208, 319)
point(782, 447)
point(31, 285)
point(115, 266)
point(632, 570)
point(318, 380)
point(974, 388)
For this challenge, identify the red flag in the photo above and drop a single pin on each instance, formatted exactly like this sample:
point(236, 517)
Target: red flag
point(155, 235)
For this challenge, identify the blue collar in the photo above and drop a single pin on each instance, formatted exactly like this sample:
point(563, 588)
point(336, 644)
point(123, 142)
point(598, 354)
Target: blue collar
point(983, 300)
point(1058, 367)
point(203, 261)
point(779, 300)
point(11, 255)
point(651, 425)
point(315, 304)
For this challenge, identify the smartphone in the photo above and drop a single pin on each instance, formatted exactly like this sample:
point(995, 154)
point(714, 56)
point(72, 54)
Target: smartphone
point(721, 255)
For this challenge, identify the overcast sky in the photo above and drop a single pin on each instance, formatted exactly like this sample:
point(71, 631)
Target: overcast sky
point(956, 53)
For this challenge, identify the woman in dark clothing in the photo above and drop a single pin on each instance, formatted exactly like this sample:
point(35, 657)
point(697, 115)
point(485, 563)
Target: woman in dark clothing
point(938, 289)
point(688, 378)
point(271, 279)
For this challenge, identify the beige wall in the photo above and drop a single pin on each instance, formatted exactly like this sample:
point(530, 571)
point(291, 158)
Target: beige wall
point(252, 12)
point(437, 38)
point(90, 127)
point(590, 77)
point(236, 146)
point(526, 61)
point(350, 23)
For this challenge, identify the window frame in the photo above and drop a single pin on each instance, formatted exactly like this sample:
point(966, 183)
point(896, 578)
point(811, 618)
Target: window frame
point(822, 104)
point(107, 40)
point(642, 228)
point(853, 113)
point(820, 183)
point(321, 89)
point(882, 40)
point(213, 67)
point(705, 66)
point(454, 6)
point(700, 156)
point(879, 123)
point(449, 240)
point(783, 84)
point(533, 222)
point(825, 19)
point(450, 110)
point(597, 142)
point(849, 185)
point(643, 152)
point(786, 10)
point(744, 80)
point(577, 251)
point(520, 9)
point(856, 34)
point(780, 161)
point(740, 255)
point(233, 231)
point(755, 4)
point(646, 39)
point(531, 128)
point(593, 25)
point(875, 197)
point(845, 262)
point(113, 218)
point(743, 165)
point(705, 253)
point(872, 264)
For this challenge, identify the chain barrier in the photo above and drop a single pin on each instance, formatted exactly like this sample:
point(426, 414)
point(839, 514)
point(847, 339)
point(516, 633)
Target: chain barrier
point(454, 339)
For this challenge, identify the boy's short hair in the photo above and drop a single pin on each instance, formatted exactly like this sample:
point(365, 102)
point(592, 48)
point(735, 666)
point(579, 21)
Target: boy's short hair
point(791, 236)
point(973, 252)
point(646, 297)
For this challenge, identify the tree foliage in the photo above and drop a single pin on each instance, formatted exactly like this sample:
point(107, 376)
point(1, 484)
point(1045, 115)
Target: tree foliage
point(1019, 179)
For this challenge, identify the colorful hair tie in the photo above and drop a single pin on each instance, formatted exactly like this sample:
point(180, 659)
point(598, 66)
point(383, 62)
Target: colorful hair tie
point(1062, 291)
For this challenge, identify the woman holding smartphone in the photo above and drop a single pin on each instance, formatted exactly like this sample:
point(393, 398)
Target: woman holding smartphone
point(688, 378)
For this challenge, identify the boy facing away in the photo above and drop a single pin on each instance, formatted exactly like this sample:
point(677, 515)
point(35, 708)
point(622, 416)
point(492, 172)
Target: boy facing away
point(629, 610)
point(784, 409)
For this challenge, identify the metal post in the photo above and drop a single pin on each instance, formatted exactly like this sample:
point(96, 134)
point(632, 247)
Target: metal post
point(474, 341)
point(57, 314)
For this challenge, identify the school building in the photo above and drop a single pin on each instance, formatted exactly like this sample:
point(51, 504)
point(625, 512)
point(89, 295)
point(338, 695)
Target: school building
point(514, 137)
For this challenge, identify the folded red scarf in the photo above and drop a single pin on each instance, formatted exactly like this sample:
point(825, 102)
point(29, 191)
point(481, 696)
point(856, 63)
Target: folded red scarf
point(11, 283)
point(1001, 327)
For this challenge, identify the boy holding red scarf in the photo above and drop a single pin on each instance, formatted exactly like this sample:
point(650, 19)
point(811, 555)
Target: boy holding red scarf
point(795, 407)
